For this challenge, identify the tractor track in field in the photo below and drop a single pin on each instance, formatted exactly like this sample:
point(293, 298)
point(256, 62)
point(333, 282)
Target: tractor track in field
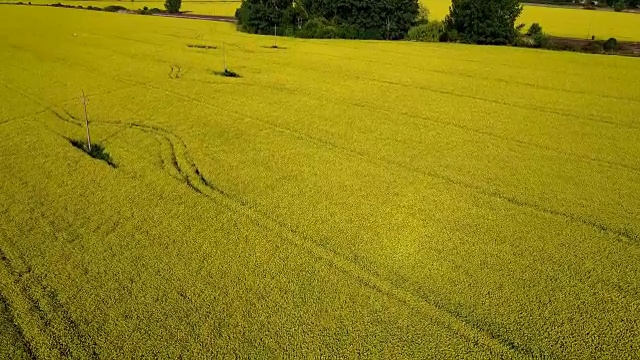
point(501, 137)
point(551, 111)
point(477, 76)
point(337, 260)
point(470, 129)
point(53, 320)
point(135, 83)
point(11, 317)
point(188, 173)
point(352, 268)
point(506, 103)
point(192, 177)
point(623, 233)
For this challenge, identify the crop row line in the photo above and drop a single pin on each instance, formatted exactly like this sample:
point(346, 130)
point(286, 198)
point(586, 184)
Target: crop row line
point(41, 307)
point(479, 76)
point(598, 225)
point(193, 178)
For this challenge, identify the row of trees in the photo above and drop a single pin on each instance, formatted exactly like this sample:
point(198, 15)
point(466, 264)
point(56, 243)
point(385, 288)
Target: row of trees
point(484, 22)
point(373, 19)
point(481, 22)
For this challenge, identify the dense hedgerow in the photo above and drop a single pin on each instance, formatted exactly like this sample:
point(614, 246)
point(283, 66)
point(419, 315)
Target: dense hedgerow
point(484, 22)
point(430, 32)
point(369, 19)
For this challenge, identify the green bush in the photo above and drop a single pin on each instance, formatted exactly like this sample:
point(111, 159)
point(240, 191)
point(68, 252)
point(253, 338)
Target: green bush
point(610, 45)
point(173, 6)
point(362, 19)
point(227, 73)
point(114, 8)
point(534, 37)
point(450, 35)
point(97, 151)
point(321, 28)
point(540, 40)
point(618, 6)
point(484, 22)
point(430, 32)
point(317, 28)
point(423, 15)
point(596, 47)
point(534, 30)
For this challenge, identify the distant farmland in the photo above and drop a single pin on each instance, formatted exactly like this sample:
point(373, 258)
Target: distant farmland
point(339, 199)
point(574, 23)
point(205, 7)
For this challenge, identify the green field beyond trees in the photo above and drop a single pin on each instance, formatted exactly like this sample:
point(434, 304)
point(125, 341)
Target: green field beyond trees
point(340, 199)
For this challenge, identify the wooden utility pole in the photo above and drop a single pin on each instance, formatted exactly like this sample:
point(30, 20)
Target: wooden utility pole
point(86, 121)
point(275, 26)
point(224, 57)
point(388, 27)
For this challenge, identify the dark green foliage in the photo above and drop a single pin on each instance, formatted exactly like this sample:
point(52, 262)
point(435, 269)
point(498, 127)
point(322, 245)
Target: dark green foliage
point(595, 47)
point(365, 19)
point(114, 8)
point(484, 22)
point(173, 6)
point(618, 6)
point(430, 32)
point(423, 15)
point(262, 16)
point(534, 30)
point(449, 35)
point(227, 73)
point(610, 45)
point(534, 37)
point(321, 28)
point(97, 151)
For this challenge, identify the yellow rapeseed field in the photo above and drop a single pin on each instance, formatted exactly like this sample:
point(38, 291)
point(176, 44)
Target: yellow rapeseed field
point(340, 199)
point(203, 7)
point(574, 23)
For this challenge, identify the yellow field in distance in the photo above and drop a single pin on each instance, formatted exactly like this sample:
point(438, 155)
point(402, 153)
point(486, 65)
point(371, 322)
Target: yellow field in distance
point(575, 23)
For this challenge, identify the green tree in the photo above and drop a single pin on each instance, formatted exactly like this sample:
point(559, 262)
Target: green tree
point(484, 21)
point(371, 19)
point(173, 6)
point(261, 16)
